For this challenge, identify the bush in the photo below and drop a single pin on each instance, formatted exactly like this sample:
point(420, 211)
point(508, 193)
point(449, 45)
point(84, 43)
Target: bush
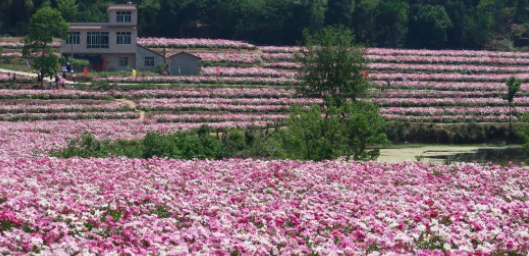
point(353, 130)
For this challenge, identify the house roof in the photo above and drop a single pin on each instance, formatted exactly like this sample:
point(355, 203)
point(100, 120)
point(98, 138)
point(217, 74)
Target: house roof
point(184, 53)
point(145, 48)
point(122, 7)
point(87, 25)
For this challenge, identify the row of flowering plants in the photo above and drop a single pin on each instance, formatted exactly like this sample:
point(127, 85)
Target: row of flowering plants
point(67, 115)
point(385, 51)
point(204, 80)
point(117, 206)
point(59, 107)
point(424, 102)
point(447, 86)
point(8, 78)
point(247, 71)
point(193, 43)
point(455, 77)
point(461, 118)
point(452, 111)
point(160, 93)
point(204, 117)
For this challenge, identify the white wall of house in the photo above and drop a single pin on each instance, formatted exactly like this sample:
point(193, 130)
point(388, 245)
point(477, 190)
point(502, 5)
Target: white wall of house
point(113, 62)
point(113, 47)
point(113, 18)
point(144, 53)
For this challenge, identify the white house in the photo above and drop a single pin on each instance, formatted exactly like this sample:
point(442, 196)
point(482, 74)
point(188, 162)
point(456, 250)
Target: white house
point(111, 46)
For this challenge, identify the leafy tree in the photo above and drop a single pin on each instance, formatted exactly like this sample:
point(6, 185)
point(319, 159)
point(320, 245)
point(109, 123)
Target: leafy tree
point(366, 13)
point(351, 130)
point(482, 28)
point(393, 23)
point(429, 24)
point(45, 24)
point(521, 11)
point(333, 66)
point(340, 12)
point(69, 9)
point(513, 86)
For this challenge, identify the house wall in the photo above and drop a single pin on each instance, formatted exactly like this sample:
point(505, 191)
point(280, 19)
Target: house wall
point(184, 65)
point(140, 59)
point(112, 62)
point(112, 47)
point(113, 18)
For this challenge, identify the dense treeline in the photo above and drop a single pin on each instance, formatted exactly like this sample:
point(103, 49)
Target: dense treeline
point(470, 24)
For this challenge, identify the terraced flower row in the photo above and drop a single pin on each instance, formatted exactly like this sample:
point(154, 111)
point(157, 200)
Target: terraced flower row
point(76, 115)
point(235, 207)
point(385, 51)
point(204, 80)
point(52, 108)
point(161, 93)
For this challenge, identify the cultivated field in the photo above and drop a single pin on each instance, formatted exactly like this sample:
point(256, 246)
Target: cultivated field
point(116, 206)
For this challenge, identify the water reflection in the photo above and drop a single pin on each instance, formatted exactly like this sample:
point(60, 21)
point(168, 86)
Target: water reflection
point(499, 156)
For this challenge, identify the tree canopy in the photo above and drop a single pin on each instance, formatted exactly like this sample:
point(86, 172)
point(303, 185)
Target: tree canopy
point(46, 24)
point(470, 24)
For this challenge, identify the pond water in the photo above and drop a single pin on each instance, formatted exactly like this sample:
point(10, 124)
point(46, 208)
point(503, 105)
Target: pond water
point(453, 153)
point(499, 156)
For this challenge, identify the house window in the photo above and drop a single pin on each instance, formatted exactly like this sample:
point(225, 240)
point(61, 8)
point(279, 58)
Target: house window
point(124, 17)
point(96, 40)
point(123, 37)
point(149, 61)
point(74, 38)
point(124, 61)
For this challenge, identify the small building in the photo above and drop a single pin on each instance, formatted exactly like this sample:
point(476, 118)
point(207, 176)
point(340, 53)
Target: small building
point(184, 64)
point(148, 60)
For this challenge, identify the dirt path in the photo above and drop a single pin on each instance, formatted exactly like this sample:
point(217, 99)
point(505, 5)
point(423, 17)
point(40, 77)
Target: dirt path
point(133, 105)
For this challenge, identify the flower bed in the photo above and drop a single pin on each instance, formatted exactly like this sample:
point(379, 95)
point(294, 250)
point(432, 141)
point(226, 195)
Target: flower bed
point(67, 115)
point(461, 118)
point(192, 43)
point(203, 80)
point(168, 207)
point(242, 72)
point(52, 108)
point(218, 117)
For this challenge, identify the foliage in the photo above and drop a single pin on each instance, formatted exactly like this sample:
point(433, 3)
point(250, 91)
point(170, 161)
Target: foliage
point(523, 131)
point(69, 9)
point(46, 24)
point(333, 66)
point(430, 24)
point(513, 86)
point(385, 23)
point(352, 130)
point(79, 63)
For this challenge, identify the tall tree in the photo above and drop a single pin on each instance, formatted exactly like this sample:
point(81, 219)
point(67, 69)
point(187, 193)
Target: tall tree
point(44, 25)
point(429, 25)
point(521, 11)
point(340, 12)
point(392, 23)
point(333, 66)
point(69, 9)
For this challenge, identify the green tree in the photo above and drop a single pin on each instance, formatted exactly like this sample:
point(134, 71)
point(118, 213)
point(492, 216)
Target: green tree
point(392, 23)
point(366, 13)
point(340, 12)
point(521, 11)
point(44, 25)
point(429, 25)
point(69, 9)
point(513, 86)
point(482, 28)
point(352, 130)
point(333, 66)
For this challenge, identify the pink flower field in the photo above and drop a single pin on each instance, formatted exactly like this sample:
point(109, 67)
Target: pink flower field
point(236, 207)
